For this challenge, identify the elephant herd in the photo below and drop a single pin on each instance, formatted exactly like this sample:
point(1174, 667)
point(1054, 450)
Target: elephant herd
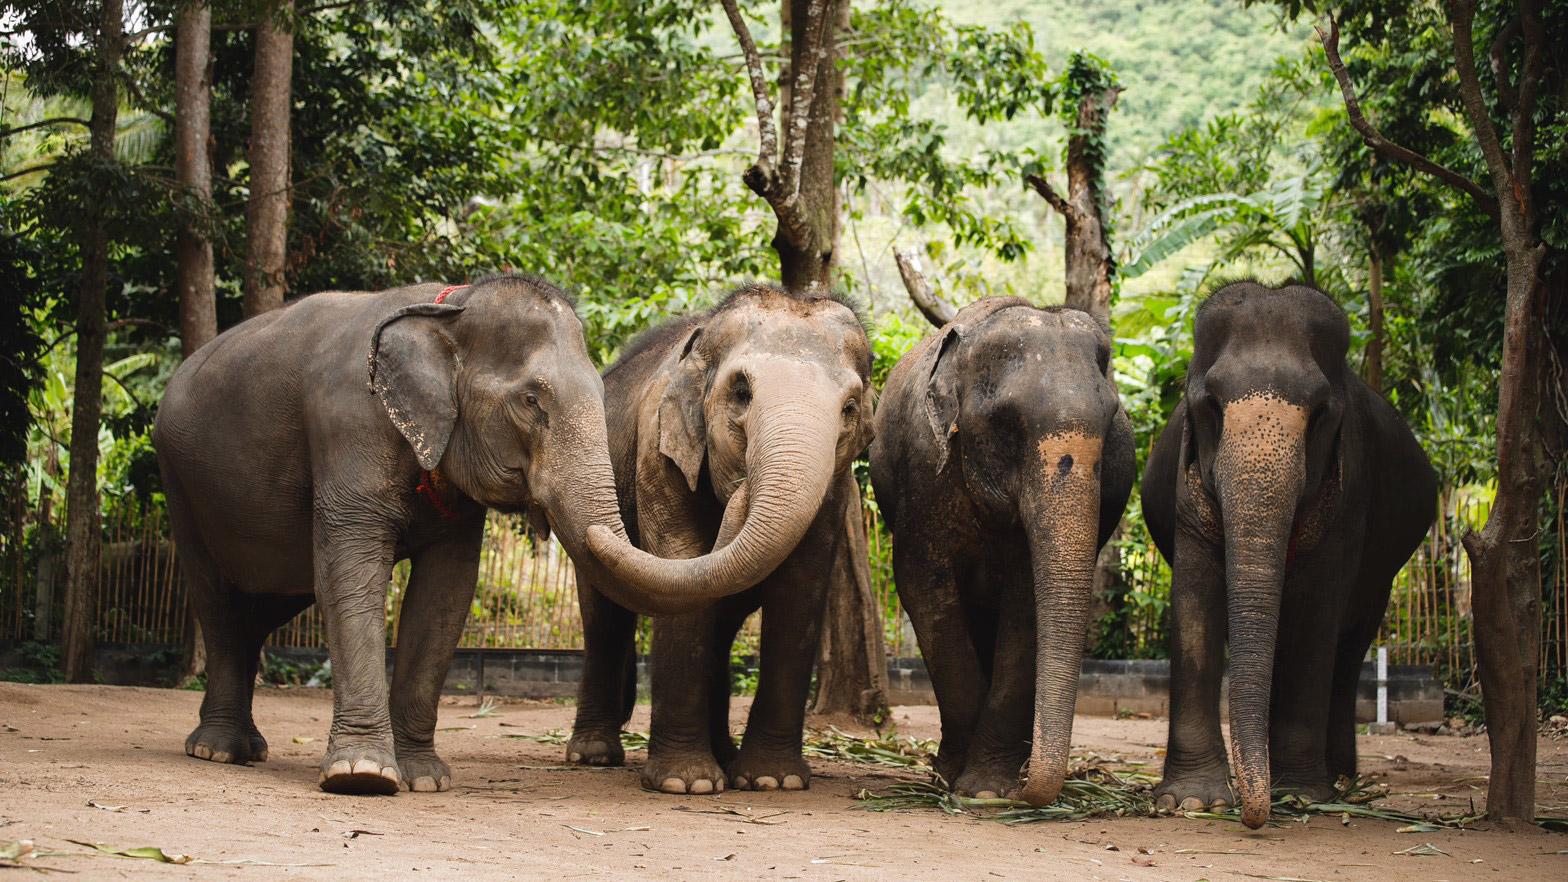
point(705, 475)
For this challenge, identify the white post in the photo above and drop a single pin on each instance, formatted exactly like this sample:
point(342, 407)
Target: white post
point(1382, 685)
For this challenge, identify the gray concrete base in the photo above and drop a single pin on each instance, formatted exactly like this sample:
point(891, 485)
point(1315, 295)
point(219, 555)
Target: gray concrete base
point(1118, 687)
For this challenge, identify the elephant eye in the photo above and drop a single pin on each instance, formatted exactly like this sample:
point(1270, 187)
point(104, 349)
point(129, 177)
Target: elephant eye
point(531, 398)
point(851, 407)
point(741, 391)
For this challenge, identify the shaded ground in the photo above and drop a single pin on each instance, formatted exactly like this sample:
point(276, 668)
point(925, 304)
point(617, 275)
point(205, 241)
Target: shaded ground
point(516, 813)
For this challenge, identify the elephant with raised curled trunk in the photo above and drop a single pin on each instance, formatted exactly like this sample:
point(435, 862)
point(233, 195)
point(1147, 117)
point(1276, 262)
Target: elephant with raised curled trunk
point(731, 431)
point(306, 450)
point(1002, 463)
point(1286, 494)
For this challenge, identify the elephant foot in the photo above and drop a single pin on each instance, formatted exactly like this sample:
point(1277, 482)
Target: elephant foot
point(992, 780)
point(596, 747)
point(685, 771)
point(221, 743)
point(1313, 789)
point(754, 770)
point(423, 771)
point(948, 766)
point(360, 768)
point(1194, 791)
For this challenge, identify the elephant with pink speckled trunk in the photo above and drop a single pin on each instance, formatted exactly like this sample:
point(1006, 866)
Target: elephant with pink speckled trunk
point(1286, 494)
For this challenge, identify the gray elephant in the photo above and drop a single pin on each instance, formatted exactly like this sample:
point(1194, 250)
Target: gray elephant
point(289, 482)
point(1286, 494)
point(1002, 463)
point(732, 430)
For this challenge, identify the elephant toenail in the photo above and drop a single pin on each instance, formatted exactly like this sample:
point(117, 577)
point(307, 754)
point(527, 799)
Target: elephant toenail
point(1165, 803)
point(202, 751)
point(702, 785)
point(672, 785)
point(223, 757)
point(986, 794)
point(424, 784)
point(793, 782)
point(767, 782)
point(740, 782)
point(1192, 804)
point(445, 783)
point(366, 767)
point(341, 767)
point(1220, 805)
point(574, 757)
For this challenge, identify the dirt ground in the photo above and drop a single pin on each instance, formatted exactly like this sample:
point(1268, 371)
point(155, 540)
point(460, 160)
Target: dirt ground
point(106, 765)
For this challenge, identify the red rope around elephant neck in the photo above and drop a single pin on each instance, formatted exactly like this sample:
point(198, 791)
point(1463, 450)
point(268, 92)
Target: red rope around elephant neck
point(431, 484)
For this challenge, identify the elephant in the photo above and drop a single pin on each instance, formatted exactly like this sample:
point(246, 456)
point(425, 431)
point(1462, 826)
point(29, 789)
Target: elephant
point(1002, 463)
point(732, 430)
point(290, 483)
point(1286, 495)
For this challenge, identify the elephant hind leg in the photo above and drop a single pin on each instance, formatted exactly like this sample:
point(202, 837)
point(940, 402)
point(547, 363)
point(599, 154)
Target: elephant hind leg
point(234, 627)
point(607, 692)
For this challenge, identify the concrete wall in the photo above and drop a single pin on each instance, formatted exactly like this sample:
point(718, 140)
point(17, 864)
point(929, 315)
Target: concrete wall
point(1106, 687)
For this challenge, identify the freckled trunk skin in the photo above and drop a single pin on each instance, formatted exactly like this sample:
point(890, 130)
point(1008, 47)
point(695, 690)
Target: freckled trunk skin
point(792, 435)
point(1259, 472)
point(1062, 519)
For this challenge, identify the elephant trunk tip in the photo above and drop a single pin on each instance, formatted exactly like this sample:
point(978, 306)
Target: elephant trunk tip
point(1047, 775)
point(1255, 800)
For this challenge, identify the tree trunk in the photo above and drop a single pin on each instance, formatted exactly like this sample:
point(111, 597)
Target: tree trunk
point(267, 211)
point(193, 173)
point(192, 248)
point(84, 534)
point(852, 664)
point(806, 256)
point(1374, 365)
point(1504, 558)
point(1088, 253)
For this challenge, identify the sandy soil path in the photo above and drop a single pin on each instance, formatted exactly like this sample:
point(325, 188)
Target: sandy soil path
point(516, 813)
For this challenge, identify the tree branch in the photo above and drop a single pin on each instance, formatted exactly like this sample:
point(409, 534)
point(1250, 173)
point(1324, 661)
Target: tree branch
point(141, 99)
point(43, 166)
point(1461, 18)
point(1523, 108)
point(1043, 187)
point(1505, 85)
point(767, 134)
point(1381, 145)
point(51, 121)
point(931, 305)
point(811, 52)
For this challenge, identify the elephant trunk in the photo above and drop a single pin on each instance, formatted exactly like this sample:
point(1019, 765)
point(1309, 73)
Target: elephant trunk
point(1260, 470)
point(1062, 521)
point(792, 437)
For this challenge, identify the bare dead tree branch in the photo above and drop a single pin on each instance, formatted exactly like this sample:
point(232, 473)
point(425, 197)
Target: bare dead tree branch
point(931, 304)
point(1461, 17)
point(51, 121)
point(1044, 188)
point(768, 134)
point(1381, 145)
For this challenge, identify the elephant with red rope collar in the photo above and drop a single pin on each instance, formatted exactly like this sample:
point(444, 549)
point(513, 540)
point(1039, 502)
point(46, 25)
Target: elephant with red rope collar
point(290, 483)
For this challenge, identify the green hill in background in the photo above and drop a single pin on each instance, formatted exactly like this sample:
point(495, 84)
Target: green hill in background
point(1180, 61)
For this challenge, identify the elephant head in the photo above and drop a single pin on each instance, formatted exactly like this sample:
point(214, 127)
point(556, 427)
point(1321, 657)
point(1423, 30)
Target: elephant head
point(493, 388)
point(1266, 393)
point(766, 399)
point(1024, 412)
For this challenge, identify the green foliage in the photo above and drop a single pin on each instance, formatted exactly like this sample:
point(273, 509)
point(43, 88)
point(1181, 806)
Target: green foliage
point(37, 663)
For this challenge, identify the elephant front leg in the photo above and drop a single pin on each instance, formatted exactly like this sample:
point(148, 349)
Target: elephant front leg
point(1002, 736)
point(608, 689)
point(440, 590)
point(680, 752)
point(793, 600)
point(1197, 775)
point(1303, 682)
point(352, 572)
point(927, 588)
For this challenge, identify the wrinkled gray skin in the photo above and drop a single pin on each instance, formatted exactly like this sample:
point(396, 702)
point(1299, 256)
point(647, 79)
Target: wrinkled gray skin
point(1002, 462)
point(1286, 494)
point(732, 430)
point(290, 482)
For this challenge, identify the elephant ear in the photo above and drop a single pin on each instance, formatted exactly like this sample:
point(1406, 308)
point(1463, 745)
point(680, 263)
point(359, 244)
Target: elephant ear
point(683, 427)
point(413, 370)
point(942, 396)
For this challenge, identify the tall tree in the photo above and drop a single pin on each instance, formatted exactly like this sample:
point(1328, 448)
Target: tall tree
point(1504, 556)
point(797, 180)
point(267, 211)
point(193, 174)
point(84, 535)
point(1089, 93)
